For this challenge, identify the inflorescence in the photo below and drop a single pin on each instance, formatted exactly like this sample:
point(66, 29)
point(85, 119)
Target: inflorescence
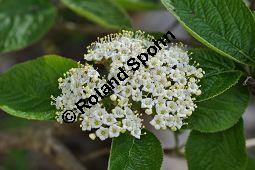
point(152, 78)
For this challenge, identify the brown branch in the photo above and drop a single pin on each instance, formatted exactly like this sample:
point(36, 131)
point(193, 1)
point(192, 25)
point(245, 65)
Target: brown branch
point(95, 154)
point(250, 82)
point(40, 140)
point(172, 151)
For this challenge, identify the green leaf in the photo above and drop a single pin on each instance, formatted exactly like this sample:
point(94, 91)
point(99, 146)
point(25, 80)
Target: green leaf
point(251, 164)
point(16, 159)
point(210, 61)
point(128, 152)
point(219, 73)
point(222, 151)
point(103, 12)
point(217, 84)
point(139, 4)
point(226, 26)
point(23, 23)
point(221, 112)
point(26, 88)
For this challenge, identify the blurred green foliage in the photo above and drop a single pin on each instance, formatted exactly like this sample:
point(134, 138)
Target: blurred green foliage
point(16, 160)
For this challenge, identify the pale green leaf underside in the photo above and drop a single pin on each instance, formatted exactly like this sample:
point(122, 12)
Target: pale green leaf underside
point(226, 26)
point(26, 88)
point(104, 12)
point(139, 4)
point(221, 112)
point(217, 151)
point(24, 22)
point(219, 73)
point(128, 152)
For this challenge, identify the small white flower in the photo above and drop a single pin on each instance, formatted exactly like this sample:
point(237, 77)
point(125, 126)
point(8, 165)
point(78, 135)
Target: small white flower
point(147, 103)
point(118, 112)
point(174, 121)
point(96, 122)
point(158, 122)
point(99, 112)
point(109, 119)
point(127, 124)
point(136, 133)
point(137, 95)
point(182, 81)
point(86, 124)
point(148, 111)
point(128, 112)
point(113, 97)
point(172, 106)
point(162, 110)
point(148, 87)
point(114, 131)
point(102, 133)
point(127, 91)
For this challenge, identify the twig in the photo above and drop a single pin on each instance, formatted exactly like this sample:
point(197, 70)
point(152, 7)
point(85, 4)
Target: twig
point(42, 141)
point(176, 140)
point(250, 82)
point(248, 70)
point(172, 151)
point(178, 149)
point(169, 151)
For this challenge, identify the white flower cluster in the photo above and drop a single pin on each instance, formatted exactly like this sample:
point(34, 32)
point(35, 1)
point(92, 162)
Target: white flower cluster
point(164, 88)
point(79, 83)
point(76, 84)
point(110, 124)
